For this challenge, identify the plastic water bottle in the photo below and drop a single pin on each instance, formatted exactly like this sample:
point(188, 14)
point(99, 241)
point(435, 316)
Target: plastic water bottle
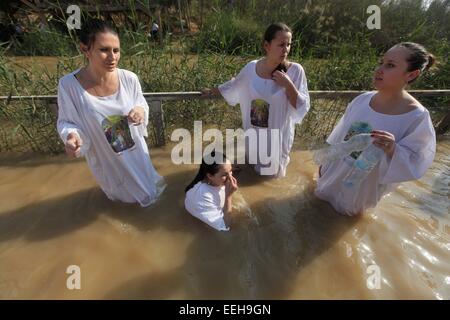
point(338, 151)
point(362, 166)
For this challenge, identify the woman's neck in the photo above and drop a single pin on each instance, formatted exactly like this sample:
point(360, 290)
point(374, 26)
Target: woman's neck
point(270, 64)
point(99, 77)
point(393, 102)
point(391, 97)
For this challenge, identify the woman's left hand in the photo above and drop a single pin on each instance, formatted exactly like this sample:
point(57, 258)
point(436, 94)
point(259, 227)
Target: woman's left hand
point(136, 115)
point(281, 78)
point(385, 141)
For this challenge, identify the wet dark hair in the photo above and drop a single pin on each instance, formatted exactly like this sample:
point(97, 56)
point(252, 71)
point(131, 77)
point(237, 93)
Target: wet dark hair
point(91, 27)
point(271, 33)
point(419, 57)
point(212, 168)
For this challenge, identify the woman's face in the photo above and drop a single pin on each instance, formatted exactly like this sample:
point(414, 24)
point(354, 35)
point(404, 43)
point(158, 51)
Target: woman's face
point(221, 176)
point(392, 71)
point(278, 49)
point(104, 53)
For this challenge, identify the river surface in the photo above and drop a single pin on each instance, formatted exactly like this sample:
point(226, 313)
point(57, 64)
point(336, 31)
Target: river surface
point(284, 243)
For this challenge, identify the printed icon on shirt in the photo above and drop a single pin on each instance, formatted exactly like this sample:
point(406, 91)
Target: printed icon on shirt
point(259, 113)
point(117, 132)
point(357, 127)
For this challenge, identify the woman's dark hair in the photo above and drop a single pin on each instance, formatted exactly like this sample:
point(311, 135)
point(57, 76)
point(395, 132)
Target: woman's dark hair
point(208, 167)
point(271, 33)
point(91, 27)
point(272, 30)
point(419, 58)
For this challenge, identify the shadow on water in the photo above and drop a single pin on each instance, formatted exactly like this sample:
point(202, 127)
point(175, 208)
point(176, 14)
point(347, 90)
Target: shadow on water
point(57, 217)
point(259, 258)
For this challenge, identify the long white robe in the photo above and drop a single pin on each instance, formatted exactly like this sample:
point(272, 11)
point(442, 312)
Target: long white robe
point(414, 153)
point(121, 164)
point(248, 89)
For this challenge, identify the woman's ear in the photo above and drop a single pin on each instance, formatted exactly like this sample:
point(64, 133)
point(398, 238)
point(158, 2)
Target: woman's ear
point(266, 45)
point(84, 49)
point(413, 75)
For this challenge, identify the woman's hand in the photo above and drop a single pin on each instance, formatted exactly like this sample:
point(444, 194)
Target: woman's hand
point(136, 115)
point(282, 79)
point(208, 93)
point(73, 145)
point(230, 185)
point(385, 141)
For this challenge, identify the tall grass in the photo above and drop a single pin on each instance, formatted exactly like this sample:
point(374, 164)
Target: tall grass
point(30, 125)
point(330, 40)
point(226, 32)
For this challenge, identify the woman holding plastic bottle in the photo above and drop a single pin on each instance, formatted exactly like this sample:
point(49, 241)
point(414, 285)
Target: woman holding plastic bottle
point(399, 125)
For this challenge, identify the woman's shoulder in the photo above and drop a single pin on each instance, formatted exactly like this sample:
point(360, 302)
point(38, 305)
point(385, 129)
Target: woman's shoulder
point(416, 112)
point(365, 95)
point(415, 105)
point(295, 66)
point(295, 70)
point(249, 65)
point(127, 75)
point(362, 99)
point(204, 193)
point(67, 80)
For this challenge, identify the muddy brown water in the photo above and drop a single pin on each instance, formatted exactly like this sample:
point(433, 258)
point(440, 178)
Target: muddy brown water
point(284, 243)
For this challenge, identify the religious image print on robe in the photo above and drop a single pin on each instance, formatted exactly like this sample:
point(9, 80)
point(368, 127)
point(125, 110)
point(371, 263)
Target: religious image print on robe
point(357, 127)
point(259, 113)
point(117, 132)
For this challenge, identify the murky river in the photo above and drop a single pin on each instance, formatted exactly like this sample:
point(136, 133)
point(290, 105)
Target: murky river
point(284, 243)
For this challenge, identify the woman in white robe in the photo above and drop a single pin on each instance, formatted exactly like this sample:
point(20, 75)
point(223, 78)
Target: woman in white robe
point(103, 116)
point(400, 126)
point(273, 96)
point(209, 195)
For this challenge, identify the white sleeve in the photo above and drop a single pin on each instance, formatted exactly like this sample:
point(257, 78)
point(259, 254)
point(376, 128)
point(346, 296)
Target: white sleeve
point(303, 101)
point(413, 154)
point(141, 102)
point(232, 89)
point(68, 118)
point(209, 212)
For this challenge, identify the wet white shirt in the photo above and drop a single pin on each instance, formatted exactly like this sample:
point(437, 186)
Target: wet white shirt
point(206, 202)
point(116, 152)
point(264, 106)
point(414, 153)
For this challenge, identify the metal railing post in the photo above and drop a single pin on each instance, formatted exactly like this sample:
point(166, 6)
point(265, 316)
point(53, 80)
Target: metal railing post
point(158, 121)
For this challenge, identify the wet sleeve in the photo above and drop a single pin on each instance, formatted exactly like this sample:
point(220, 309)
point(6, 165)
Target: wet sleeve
point(68, 117)
point(210, 212)
point(303, 101)
point(413, 154)
point(232, 90)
